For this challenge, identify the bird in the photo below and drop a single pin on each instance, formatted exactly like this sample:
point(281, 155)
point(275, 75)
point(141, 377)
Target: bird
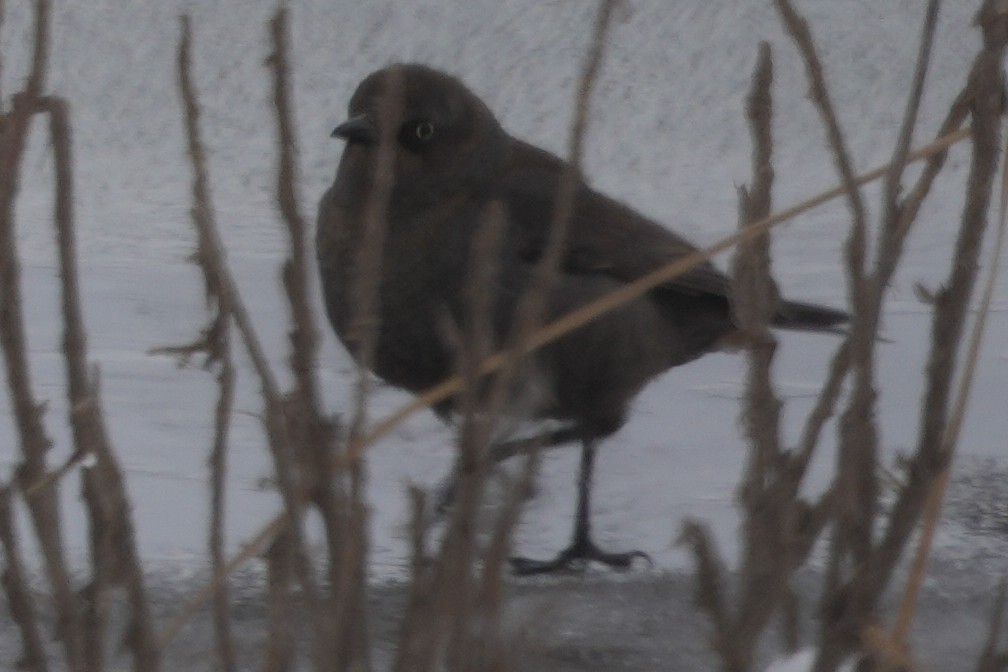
point(451, 162)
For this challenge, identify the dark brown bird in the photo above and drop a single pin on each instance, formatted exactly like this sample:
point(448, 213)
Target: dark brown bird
point(451, 160)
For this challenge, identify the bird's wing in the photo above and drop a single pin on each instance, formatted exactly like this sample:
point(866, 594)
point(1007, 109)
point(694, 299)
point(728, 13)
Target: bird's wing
point(604, 236)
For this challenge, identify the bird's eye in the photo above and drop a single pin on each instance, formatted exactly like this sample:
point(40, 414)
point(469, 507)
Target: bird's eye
point(424, 130)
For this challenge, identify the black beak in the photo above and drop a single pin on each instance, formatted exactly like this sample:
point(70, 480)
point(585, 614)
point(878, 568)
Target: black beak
point(357, 129)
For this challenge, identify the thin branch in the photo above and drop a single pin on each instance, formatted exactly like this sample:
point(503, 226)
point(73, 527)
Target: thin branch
point(253, 548)
point(216, 343)
point(315, 436)
point(765, 493)
point(899, 216)
point(984, 96)
point(43, 505)
point(802, 37)
point(275, 421)
point(991, 660)
point(710, 578)
point(986, 121)
point(892, 182)
point(86, 418)
point(20, 601)
point(304, 334)
point(279, 655)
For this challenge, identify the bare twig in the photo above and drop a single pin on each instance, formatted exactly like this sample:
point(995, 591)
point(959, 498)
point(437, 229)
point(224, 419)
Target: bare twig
point(802, 37)
point(983, 95)
point(315, 435)
point(86, 419)
point(991, 658)
point(43, 505)
point(766, 491)
point(365, 301)
point(891, 184)
point(275, 420)
point(20, 601)
point(893, 231)
point(989, 87)
point(254, 547)
point(710, 578)
point(280, 648)
point(217, 344)
point(854, 513)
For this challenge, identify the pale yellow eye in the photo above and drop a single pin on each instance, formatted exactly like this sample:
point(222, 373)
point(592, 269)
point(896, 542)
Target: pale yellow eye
point(424, 130)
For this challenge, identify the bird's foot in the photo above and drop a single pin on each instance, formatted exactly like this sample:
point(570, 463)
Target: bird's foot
point(575, 558)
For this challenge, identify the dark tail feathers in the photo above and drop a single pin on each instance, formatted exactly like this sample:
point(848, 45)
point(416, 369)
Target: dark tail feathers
point(809, 317)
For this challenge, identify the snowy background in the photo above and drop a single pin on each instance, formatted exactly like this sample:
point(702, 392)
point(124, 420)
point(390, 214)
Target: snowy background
point(667, 135)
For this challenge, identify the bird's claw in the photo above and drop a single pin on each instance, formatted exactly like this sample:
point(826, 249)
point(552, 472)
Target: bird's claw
point(576, 558)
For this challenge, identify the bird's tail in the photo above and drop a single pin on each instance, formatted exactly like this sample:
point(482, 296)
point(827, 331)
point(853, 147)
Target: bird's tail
point(809, 317)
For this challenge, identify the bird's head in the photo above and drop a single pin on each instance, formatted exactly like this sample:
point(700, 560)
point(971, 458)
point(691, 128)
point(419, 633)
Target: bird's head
point(441, 136)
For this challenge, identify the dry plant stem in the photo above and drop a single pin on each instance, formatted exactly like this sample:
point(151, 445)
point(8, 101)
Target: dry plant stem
point(218, 349)
point(454, 574)
point(274, 416)
point(350, 578)
point(365, 296)
point(530, 310)
point(931, 457)
point(710, 578)
point(218, 470)
point(855, 485)
point(43, 504)
point(280, 649)
point(821, 412)
point(979, 190)
point(443, 585)
point(799, 31)
point(766, 493)
point(415, 625)
point(886, 655)
point(304, 335)
point(254, 547)
point(107, 501)
point(890, 249)
point(991, 659)
point(854, 514)
point(20, 601)
point(769, 490)
point(891, 234)
point(444, 588)
point(316, 436)
point(350, 616)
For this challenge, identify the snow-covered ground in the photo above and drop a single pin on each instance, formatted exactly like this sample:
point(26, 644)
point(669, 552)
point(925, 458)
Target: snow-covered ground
point(667, 135)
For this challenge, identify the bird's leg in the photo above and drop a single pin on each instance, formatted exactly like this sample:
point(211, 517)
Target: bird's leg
point(548, 439)
point(503, 450)
point(582, 549)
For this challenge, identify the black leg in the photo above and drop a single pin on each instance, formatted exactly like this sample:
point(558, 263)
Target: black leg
point(582, 548)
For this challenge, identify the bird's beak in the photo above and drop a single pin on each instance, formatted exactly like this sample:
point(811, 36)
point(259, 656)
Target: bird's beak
point(357, 129)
